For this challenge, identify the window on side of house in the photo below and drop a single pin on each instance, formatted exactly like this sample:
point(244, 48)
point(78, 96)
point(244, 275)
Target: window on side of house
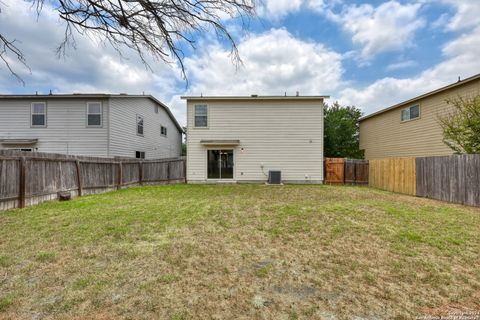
point(156, 109)
point(201, 116)
point(140, 125)
point(140, 154)
point(163, 131)
point(39, 114)
point(410, 113)
point(94, 114)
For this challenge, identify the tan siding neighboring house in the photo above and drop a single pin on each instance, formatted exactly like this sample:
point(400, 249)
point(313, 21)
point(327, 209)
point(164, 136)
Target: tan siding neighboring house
point(282, 133)
point(384, 134)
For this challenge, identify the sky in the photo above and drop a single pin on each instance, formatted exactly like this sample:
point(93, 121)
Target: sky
point(371, 54)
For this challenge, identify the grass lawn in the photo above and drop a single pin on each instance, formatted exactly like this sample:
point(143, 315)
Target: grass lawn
point(239, 252)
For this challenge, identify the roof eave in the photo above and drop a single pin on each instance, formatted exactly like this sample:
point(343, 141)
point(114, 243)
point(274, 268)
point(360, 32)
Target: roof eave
point(253, 98)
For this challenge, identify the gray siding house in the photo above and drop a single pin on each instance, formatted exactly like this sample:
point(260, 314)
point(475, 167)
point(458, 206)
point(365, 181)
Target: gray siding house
point(102, 125)
point(241, 139)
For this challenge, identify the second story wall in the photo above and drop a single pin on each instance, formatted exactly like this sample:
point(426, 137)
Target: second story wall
point(386, 135)
point(124, 140)
point(66, 128)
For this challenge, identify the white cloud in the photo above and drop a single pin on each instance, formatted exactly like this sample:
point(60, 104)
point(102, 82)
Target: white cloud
point(461, 59)
point(467, 15)
point(273, 62)
point(277, 9)
point(401, 65)
point(389, 27)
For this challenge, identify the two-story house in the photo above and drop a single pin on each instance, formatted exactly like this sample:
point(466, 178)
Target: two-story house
point(102, 125)
point(241, 139)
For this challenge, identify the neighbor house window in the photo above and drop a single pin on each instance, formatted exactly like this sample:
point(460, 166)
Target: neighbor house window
point(411, 113)
point(39, 114)
point(201, 116)
point(94, 114)
point(163, 131)
point(140, 154)
point(140, 125)
point(156, 109)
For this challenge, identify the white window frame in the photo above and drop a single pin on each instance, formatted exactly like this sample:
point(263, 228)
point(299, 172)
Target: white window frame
point(195, 116)
point(409, 113)
point(101, 114)
point(139, 116)
point(44, 114)
point(161, 131)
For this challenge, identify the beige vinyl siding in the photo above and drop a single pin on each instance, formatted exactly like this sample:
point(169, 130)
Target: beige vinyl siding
point(283, 135)
point(385, 135)
point(66, 130)
point(124, 140)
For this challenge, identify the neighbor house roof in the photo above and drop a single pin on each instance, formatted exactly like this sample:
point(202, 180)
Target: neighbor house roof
point(431, 93)
point(253, 97)
point(93, 96)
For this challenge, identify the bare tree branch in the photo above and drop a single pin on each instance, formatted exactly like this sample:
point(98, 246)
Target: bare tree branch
point(8, 47)
point(158, 28)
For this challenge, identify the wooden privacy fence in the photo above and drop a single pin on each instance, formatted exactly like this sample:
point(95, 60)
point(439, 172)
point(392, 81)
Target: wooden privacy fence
point(450, 178)
point(31, 178)
point(346, 171)
point(453, 178)
point(393, 174)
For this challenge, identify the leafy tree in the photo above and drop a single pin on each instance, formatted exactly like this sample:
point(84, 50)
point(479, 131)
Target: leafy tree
point(157, 27)
point(461, 126)
point(341, 133)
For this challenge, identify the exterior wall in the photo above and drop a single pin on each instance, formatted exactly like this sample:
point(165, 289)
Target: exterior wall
point(66, 131)
point(124, 140)
point(284, 135)
point(385, 135)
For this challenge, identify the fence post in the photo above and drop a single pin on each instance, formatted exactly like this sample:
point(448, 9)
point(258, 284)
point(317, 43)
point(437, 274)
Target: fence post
point(185, 170)
point(79, 178)
point(22, 183)
point(140, 173)
point(168, 172)
point(120, 176)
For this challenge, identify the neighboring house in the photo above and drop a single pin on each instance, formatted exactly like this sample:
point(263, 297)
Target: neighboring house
point(411, 128)
point(239, 139)
point(102, 125)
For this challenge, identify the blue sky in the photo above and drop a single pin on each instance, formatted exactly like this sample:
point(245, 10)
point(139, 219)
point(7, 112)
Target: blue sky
point(371, 54)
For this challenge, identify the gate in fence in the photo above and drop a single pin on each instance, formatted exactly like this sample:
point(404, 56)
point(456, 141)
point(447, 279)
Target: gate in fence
point(346, 171)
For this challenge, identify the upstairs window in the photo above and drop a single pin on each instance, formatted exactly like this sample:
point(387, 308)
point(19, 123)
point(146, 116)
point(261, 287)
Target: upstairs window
point(156, 109)
point(139, 125)
point(39, 114)
point(163, 131)
point(140, 154)
point(201, 116)
point(411, 113)
point(94, 114)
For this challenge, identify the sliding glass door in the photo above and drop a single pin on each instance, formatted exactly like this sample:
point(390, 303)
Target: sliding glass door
point(220, 164)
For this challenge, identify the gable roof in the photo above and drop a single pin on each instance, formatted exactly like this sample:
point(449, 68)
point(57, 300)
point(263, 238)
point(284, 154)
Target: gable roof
point(431, 93)
point(93, 96)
